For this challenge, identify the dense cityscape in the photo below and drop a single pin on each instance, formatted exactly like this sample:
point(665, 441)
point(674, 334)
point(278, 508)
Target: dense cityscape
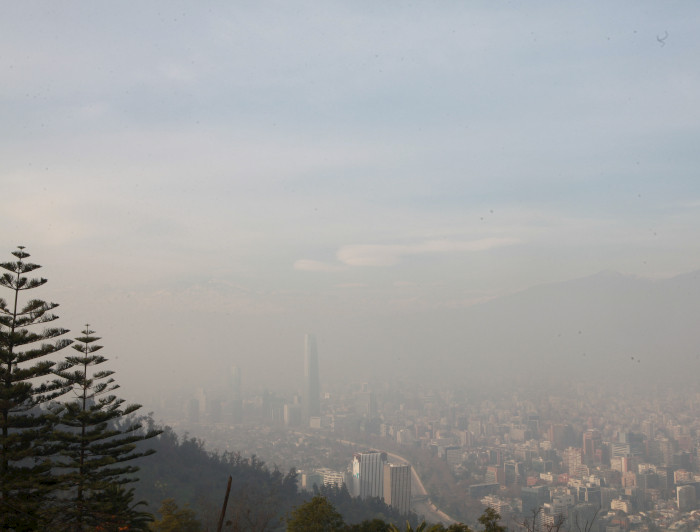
point(398, 266)
point(624, 458)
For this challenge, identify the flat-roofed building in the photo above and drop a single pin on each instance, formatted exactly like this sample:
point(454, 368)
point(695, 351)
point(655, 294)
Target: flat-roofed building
point(397, 486)
point(368, 474)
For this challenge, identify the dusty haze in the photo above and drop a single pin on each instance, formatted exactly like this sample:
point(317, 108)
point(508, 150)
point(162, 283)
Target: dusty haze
point(433, 190)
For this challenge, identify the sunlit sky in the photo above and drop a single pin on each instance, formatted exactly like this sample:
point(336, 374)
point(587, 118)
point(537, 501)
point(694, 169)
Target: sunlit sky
point(209, 181)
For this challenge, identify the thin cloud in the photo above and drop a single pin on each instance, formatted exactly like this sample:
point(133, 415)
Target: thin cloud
point(388, 255)
point(309, 265)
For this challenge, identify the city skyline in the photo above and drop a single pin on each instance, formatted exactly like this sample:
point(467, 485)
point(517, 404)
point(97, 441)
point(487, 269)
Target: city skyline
point(569, 450)
point(444, 254)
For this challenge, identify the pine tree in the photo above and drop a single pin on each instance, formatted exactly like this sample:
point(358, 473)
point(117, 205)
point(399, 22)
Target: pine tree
point(116, 510)
point(26, 478)
point(97, 439)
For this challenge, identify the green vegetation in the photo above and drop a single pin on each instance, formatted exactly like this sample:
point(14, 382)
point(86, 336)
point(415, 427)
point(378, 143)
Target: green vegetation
point(261, 498)
point(319, 515)
point(62, 464)
point(356, 510)
point(489, 519)
point(27, 482)
point(175, 519)
point(94, 446)
point(184, 471)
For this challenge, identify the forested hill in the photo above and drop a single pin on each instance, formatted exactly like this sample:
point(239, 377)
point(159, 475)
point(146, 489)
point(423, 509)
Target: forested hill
point(261, 496)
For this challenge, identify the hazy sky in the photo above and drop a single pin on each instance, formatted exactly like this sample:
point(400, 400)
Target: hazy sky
point(206, 182)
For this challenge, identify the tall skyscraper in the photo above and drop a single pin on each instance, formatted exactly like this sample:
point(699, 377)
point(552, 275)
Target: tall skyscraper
point(236, 396)
point(592, 443)
point(397, 486)
point(368, 474)
point(573, 460)
point(311, 397)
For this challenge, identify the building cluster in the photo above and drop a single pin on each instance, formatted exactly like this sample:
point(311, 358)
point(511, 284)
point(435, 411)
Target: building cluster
point(368, 475)
point(628, 457)
point(629, 461)
point(633, 467)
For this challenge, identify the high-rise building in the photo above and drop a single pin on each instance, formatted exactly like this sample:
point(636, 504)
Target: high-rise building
point(494, 474)
point(685, 498)
point(202, 400)
point(664, 450)
point(397, 486)
point(333, 478)
point(572, 461)
point(367, 404)
point(236, 395)
point(592, 443)
point(513, 472)
point(589, 494)
point(272, 408)
point(533, 498)
point(540, 465)
point(310, 480)
point(292, 415)
point(618, 450)
point(311, 397)
point(561, 436)
point(368, 474)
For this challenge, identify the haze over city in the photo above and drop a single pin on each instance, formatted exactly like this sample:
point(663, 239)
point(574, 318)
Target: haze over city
point(433, 189)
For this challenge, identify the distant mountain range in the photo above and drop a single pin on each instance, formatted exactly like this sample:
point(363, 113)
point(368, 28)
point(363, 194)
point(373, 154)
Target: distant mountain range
point(607, 323)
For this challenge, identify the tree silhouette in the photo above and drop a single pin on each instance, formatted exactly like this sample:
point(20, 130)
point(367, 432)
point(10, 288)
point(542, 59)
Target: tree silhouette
point(490, 519)
point(26, 478)
point(317, 515)
point(95, 445)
